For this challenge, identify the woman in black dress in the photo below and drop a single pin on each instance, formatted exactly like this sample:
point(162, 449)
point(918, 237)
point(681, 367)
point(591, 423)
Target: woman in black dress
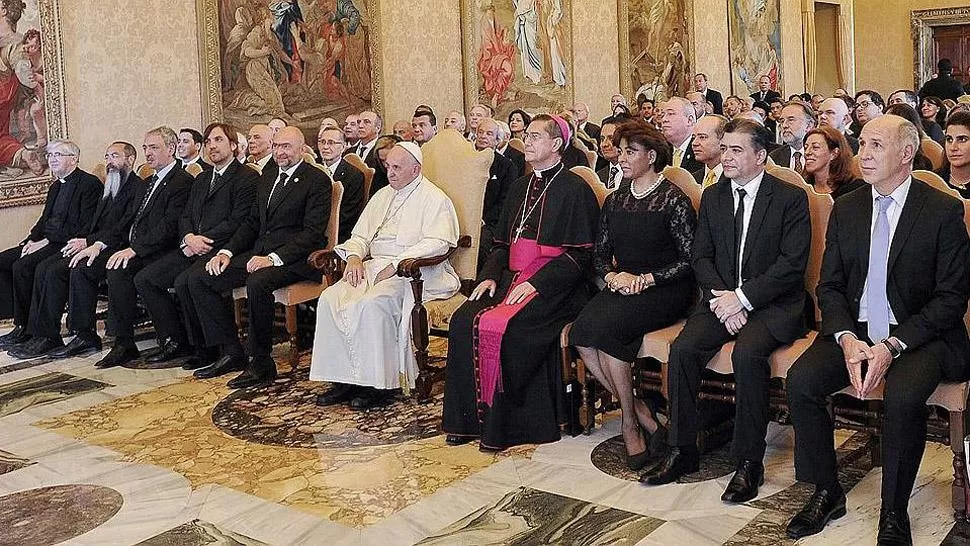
point(956, 163)
point(828, 158)
point(643, 252)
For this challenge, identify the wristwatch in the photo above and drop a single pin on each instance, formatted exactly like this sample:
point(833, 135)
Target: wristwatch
point(893, 349)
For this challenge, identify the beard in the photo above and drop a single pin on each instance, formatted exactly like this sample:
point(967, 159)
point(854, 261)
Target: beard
point(112, 182)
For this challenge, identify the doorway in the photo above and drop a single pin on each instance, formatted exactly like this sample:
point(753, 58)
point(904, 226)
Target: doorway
point(827, 78)
point(953, 42)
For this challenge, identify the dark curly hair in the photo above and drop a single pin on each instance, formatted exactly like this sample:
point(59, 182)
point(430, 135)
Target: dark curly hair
point(649, 137)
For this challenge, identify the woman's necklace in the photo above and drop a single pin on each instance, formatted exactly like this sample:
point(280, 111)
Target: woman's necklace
point(652, 187)
point(527, 215)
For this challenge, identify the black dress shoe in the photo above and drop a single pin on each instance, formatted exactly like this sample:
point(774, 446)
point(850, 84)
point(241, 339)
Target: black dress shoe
point(456, 440)
point(16, 336)
point(170, 350)
point(339, 393)
point(894, 529)
point(224, 365)
point(824, 505)
point(679, 461)
point(118, 355)
point(79, 345)
point(246, 380)
point(370, 397)
point(744, 485)
point(37, 346)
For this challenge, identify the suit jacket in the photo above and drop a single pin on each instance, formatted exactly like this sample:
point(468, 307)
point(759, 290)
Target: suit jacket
point(294, 226)
point(517, 158)
point(592, 130)
point(699, 174)
point(112, 219)
point(853, 143)
point(219, 213)
point(501, 175)
point(768, 95)
point(782, 155)
point(156, 230)
point(775, 254)
point(716, 100)
point(85, 190)
point(928, 280)
point(688, 162)
point(353, 201)
point(604, 176)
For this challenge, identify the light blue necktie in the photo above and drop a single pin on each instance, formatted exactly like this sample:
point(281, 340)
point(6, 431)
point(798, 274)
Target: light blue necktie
point(876, 299)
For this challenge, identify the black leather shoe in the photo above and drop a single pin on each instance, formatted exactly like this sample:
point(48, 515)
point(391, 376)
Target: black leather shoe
point(370, 397)
point(456, 440)
point(118, 355)
point(824, 505)
point(224, 365)
point(37, 346)
point(170, 350)
point(79, 345)
point(894, 529)
point(339, 393)
point(246, 380)
point(678, 462)
point(744, 485)
point(195, 362)
point(14, 337)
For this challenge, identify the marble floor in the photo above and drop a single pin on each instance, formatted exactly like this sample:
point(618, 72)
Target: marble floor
point(154, 457)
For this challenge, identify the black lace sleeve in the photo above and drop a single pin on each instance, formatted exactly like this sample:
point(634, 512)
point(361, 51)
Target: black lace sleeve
point(603, 254)
point(681, 222)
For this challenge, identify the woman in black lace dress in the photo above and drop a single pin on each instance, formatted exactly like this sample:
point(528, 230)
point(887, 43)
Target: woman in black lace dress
point(643, 252)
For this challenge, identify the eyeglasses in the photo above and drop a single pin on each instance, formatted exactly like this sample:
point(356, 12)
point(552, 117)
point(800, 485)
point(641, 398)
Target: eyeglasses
point(58, 155)
point(329, 142)
point(864, 104)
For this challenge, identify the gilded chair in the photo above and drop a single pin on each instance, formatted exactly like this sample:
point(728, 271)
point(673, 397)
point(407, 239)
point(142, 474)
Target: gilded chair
point(357, 162)
point(144, 171)
point(593, 182)
point(933, 151)
point(101, 171)
point(194, 169)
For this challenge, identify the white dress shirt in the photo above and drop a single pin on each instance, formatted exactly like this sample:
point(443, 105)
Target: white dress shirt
point(751, 189)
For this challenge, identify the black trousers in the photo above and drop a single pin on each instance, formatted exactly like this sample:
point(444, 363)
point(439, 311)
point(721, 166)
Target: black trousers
point(17, 280)
point(910, 381)
point(122, 296)
point(153, 282)
point(51, 288)
point(214, 309)
point(700, 340)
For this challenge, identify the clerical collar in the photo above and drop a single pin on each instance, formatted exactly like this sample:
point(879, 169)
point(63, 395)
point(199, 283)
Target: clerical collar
point(551, 171)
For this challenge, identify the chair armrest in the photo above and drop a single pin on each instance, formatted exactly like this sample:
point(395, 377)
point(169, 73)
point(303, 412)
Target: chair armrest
point(325, 261)
point(411, 268)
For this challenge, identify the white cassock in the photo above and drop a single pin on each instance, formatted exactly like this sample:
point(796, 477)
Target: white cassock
point(363, 334)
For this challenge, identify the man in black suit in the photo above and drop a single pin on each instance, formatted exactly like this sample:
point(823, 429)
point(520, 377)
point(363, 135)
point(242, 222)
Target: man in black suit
point(765, 93)
point(710, 95)
point(944, 85)
point(708, 133)
point(260, 140)
point(515, 156)
point(52, 282)
point(288, 221)
point(501, 175)
point(750, 254)
point(581, 117)
point(218, 203)
point(678, 128)
point(331, 144)
point(71, 202)
point(189, 149)
point(893, 293)
point(610, 175)
point(834, 112)
point(155, 214)
point(797, 119)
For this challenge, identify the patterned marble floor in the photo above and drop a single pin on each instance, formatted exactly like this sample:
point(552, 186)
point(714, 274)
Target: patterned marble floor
point(154, 457)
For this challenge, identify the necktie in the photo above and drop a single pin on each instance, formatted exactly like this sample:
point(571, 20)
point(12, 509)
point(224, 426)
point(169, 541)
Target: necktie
point(876, 299)
point(796, 163)
point(152, 182)
point(678, 157)
point(739, 230)
point(277, 191)
point(216, 178)
point(613, 170)
point(710, 178)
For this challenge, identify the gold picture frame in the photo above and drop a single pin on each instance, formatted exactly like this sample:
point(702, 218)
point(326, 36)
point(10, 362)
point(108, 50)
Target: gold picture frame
point(210, 63)
point(627, 87)
point(30, 188)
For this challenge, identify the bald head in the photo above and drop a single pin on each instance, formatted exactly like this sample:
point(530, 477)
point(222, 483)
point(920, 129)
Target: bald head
point(834, 112)
point(402, 167)
point(887, 146)
point(288, 147)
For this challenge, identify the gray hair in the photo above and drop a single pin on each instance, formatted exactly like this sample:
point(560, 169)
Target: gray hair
point(167, 135)
point(505, 129)
point(64, 144)
point(686, 106)
point(908, 135)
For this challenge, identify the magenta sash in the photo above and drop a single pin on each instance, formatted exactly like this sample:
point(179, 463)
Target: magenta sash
point(526, 257)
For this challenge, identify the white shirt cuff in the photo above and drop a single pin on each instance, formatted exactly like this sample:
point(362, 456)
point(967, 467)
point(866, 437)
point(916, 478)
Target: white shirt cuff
point(101, 245)
point(838, 335)
point(225, 252)
point(276, 259)
point(743, 299)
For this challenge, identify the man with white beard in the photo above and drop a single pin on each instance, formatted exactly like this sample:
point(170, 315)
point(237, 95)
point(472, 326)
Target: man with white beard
point(51, 284)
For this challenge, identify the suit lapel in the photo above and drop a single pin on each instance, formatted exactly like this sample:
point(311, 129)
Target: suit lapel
point(862, 224)
point(761, 203)
point(726, 206)
point(907, 219)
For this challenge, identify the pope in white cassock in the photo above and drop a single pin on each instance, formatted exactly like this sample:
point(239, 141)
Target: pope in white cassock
point(362, 342)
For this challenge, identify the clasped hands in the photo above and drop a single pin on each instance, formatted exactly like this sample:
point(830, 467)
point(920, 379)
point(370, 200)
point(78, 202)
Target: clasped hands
point(856, 352)
point(354, 271)
point(628, 284)
point(727, 307)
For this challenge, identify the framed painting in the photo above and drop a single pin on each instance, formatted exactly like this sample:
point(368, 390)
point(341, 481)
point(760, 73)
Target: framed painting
point(655, 48)
point(31, 98)
point(517, 54)
point(754, 31)
point(298, 60)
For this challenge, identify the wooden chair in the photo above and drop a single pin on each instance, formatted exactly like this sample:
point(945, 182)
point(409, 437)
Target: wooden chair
point(144, 171)
point(101, 171)
point(952, 397)
point(855, 167)
point(194, 169)
point(593, 182)
point(933, 151)
point(304, 291)
point(518, 144)
point(357, 162)
point(309, 157)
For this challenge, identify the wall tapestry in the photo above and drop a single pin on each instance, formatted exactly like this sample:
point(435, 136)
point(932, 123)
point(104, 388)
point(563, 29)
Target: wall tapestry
point(754, 28)
point(654, 48)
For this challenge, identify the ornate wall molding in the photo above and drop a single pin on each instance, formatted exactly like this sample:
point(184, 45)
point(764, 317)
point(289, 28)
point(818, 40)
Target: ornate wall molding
point(923, 22)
